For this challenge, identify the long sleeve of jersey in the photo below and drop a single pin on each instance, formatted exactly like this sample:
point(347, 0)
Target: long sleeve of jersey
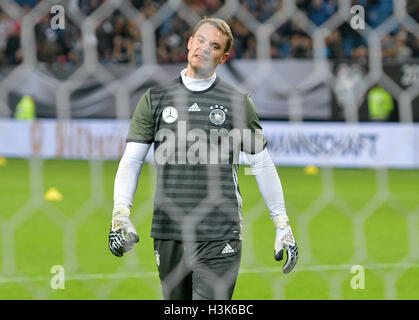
point(129, 169)
point(268, 181)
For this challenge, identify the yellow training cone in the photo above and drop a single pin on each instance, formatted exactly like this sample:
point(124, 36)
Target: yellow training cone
point(311, 170)
point(53, 195)
point(3, 162)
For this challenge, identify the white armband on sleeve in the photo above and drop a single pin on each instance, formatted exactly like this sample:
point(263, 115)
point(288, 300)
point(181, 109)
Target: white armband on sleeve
point(129, 169)
point(268, 181)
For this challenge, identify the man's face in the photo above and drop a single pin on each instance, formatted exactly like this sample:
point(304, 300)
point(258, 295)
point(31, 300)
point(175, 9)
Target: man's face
point(206, 50)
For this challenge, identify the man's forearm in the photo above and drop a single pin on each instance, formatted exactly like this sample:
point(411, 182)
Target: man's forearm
point(129, 169)
point(268, 181)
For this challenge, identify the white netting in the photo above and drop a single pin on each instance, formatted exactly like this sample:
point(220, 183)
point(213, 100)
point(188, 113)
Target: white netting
point(146, 52)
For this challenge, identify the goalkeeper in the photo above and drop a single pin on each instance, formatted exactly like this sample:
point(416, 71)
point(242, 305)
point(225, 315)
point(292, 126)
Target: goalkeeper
point(197, 219)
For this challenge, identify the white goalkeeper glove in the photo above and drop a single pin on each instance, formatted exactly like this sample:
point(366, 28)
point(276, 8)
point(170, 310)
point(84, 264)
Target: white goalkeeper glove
point(285, 239)
point(122, 235)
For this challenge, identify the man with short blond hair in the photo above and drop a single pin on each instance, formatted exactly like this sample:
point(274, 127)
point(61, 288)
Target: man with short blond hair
point(197, 218)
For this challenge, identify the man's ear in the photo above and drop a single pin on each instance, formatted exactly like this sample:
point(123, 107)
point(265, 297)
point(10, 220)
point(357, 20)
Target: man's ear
point(190, 42)
point(225, 57)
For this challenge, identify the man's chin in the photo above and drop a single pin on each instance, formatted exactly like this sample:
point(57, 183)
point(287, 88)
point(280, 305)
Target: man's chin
point(203, 70)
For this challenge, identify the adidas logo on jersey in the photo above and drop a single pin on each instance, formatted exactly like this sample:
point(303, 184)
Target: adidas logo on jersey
point(227, 249)
point(194, 108)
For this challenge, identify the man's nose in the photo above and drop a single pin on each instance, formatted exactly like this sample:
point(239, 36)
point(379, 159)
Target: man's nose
point(205, 48)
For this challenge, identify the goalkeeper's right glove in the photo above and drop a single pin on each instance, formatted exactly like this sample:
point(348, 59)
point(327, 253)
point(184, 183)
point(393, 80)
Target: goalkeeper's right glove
point(122, 235)
point(285, 239)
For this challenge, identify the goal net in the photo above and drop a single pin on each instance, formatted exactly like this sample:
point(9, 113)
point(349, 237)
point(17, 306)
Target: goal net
point(335, 84)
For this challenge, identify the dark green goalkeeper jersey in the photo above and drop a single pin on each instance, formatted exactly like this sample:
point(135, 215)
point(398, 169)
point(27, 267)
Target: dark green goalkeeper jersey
point(197, 140)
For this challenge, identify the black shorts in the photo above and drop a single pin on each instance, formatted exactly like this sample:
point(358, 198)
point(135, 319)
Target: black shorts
point(200, 270)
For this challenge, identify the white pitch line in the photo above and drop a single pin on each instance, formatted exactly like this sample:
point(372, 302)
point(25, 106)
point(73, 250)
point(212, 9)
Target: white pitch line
point(107, 276)
point(337, 267)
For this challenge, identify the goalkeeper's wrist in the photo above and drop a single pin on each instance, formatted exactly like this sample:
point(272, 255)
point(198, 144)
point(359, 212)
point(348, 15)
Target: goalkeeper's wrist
point(120, 211)
point(281, 221)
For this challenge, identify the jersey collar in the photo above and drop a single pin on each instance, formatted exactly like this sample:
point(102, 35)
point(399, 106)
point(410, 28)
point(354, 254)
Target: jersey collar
point(197, 84)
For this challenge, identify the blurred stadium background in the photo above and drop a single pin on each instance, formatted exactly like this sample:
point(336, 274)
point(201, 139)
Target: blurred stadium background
point(340, 107)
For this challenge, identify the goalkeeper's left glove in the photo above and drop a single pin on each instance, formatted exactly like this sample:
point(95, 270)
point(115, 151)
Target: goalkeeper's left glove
point(122, 235)
point(285, 239)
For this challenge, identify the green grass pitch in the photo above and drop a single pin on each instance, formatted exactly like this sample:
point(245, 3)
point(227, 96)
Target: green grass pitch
point(340, 218)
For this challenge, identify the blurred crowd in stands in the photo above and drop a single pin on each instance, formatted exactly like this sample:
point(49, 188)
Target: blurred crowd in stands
point(119, 40)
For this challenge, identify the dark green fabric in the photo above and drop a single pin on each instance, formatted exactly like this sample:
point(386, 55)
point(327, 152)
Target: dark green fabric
point(198, 270)
point(196, 200)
